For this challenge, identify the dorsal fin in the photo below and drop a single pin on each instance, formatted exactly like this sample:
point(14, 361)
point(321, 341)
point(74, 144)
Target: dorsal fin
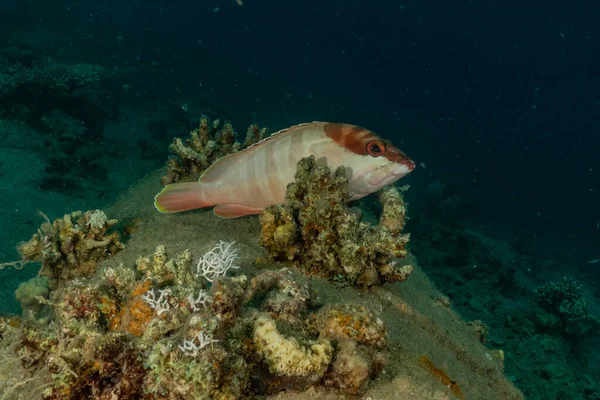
point(282, 132)
point(212, 173)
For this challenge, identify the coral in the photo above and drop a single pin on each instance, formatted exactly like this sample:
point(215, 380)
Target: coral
point(164, 272)
point(282, 295)
point(351, 322)
point(191, 349)
point(206, 144)
point(121, 279)
point(72, 247)
point(227, 296)
point(565, 300)
point(136, 313)
point(351, 369)
point(218, 261)
point(156, 332)
point(360, 340)
point(212, 374)
point(29, 293)
point(552, 295)
point(159, 302)
point(315, 230)
point(295, 365)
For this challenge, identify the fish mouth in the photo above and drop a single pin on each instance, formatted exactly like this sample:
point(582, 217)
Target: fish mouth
point(389, 173)
point(403, 168)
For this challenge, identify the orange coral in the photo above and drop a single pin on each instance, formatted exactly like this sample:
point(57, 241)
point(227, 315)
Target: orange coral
point(136, 314)
point(108, 307)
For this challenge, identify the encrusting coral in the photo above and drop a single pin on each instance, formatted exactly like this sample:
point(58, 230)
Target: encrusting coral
point(206, 144)
point(72, 247)
point(316, 231)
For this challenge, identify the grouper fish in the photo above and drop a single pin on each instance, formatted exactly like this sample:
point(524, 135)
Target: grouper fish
point(248, 181)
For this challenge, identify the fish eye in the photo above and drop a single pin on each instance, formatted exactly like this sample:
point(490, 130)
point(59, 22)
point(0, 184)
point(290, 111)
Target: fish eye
point(375, 148)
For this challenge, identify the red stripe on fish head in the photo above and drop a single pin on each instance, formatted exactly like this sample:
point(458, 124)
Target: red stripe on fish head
point(395, 155)
point(364, 142)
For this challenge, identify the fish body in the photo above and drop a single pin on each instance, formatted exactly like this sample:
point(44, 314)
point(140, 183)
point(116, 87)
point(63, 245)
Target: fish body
point(246, 182)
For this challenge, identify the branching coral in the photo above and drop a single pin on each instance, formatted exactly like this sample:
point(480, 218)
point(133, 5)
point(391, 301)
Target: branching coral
point(206, 144)
point(72, 247)
point(315, 230)
point(551, 295)
point(565, 300)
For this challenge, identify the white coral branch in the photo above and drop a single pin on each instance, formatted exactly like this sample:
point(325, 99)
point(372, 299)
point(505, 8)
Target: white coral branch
point(201, 300)
point(161, 304)
point(217, 261)
point(191, 349)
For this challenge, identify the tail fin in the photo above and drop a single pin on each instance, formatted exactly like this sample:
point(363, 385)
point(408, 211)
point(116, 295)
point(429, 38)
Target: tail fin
point(179, 197)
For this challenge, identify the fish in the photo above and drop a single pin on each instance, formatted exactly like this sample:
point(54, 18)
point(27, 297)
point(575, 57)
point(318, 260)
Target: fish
point(246, 182)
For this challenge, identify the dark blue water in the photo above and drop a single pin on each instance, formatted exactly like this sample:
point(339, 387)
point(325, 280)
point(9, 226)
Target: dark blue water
point(500, 95)
point(500, 99)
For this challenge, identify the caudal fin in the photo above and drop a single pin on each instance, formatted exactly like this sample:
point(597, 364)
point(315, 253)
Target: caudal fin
point(179, 197)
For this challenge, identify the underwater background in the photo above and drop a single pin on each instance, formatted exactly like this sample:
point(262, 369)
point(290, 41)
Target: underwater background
point(497, 103)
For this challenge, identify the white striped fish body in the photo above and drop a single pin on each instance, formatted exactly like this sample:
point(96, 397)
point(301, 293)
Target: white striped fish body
point(261, 173)
point(248, 181)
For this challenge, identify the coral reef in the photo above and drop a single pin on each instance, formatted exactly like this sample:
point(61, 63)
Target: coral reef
point(316, 231)
point(564, 306)
point(158, 331)
point(72, 247)
point(206, 144)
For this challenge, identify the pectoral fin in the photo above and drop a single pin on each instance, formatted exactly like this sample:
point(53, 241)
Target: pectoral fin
point(235, 210)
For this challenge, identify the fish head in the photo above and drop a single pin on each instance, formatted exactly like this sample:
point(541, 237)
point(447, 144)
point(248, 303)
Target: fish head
point(371, 162)
point(383, 165)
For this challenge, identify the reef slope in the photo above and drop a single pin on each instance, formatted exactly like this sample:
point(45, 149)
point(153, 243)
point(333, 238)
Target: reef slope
point(433, 353)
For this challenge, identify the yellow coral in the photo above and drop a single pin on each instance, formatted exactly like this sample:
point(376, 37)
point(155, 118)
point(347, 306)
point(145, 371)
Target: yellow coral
point(285, 356)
